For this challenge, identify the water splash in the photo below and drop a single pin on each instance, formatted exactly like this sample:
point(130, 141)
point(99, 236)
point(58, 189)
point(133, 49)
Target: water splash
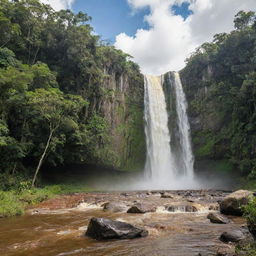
point(164, 169)
point(159, 166)
point(186, 165)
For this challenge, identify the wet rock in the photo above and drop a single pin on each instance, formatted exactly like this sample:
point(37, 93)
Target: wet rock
point(167, 195)
point(214, 207)
point(188, 194)
point(217, 218)
point(181, 208)
point(124, 194)
point(232, 236)
point(252, 229)
point(231, 204)
point(115, 207)
point(103, 229)
point(227, 251)
point(141, 208)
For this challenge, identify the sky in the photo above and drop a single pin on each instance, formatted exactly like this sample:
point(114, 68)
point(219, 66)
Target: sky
point(159, 34)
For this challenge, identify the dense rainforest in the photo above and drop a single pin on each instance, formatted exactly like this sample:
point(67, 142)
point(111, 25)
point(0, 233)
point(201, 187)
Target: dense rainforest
point(66, 96)
point(220, 83)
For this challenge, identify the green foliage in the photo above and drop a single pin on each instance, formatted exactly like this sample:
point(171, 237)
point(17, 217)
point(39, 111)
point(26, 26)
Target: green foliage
point(14, 202)
point(248, 249)
point(10, 205)
point(7, 58)
point(10, 182)
point(250, 212)
point(244, 19)
point(207, 148)
point(56, 77)
point(220, 84)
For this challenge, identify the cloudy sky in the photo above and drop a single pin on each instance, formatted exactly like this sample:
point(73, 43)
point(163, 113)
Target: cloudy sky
point(159, 34)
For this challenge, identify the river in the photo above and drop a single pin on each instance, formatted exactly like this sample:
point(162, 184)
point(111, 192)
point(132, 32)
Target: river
point(55, 229)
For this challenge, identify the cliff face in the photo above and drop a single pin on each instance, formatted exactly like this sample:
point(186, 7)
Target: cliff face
point(209, 124)
point(123, 108)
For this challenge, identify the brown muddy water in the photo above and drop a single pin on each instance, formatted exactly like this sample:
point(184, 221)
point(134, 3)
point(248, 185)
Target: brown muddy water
point(55, 230)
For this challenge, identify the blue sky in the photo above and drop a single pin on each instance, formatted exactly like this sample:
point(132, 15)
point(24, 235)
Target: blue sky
point(112, 17)
point(171, 38)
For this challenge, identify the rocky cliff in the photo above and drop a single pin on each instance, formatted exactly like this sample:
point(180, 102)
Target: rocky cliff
point(122, 107)
point(210, 125)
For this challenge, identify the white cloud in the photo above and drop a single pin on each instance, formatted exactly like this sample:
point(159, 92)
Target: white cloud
point(59, 4)
point(170, 38)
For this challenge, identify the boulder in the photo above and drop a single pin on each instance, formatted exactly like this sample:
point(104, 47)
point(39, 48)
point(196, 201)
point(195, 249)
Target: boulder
point(104, 229)
point(232, 236)
point(167, 195)
point(231, 204)
point(115, 207)
point(217, 218)
point(141, 208)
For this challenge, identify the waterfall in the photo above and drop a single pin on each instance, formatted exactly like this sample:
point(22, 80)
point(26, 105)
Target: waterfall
point(162, 168)
point(159, 166)
point(186, 157)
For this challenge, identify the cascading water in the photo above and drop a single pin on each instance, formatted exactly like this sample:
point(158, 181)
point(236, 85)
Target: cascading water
point(162, 168)
point(159, 166)
point(187, 158)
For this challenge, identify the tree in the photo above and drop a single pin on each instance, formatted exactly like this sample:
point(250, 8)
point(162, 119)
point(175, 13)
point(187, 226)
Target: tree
point(52, 108)
point(7, 58)
point(244, 19)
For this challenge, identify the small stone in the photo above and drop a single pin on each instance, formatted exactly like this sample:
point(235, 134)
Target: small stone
point(217, 218)
point(115, 207)
point(124, 194)
point(141, 208)
point(167, 195)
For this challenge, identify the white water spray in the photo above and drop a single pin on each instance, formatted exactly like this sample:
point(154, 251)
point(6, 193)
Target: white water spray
point(159, 166)
point(187, 158)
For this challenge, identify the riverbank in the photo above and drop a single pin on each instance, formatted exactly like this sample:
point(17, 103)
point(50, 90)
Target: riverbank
point(15, 202)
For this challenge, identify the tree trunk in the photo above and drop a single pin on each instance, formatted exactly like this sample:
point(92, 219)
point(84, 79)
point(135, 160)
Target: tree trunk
point(34, 60)
point(42, 157)
point(14, 168)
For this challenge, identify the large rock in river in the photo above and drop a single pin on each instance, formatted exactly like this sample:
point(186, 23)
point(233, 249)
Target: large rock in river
point(103, 229)
point(231, 204)
point(141, 208)
point(232, 236)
